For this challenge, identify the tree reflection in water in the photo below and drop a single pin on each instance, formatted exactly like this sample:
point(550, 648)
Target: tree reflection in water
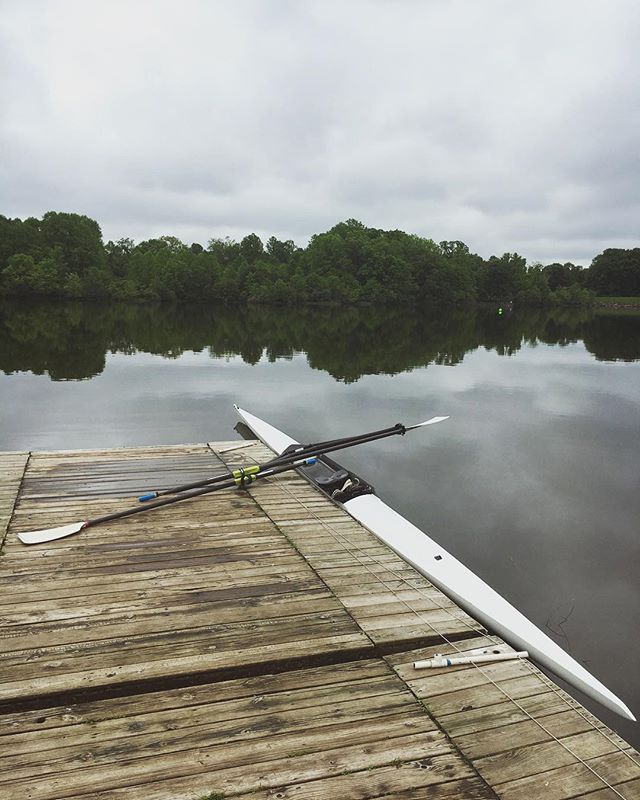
point(70, 341)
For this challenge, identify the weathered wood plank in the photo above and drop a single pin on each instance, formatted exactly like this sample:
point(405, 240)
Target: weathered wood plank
point(522, 761)
point(138, 621)
point(396, 782)
point(291, 710)
point(207, 770)
point(165, 663)
point(572, 780)
point(53, 594)
point(213, 643)
point(109, 606)
point(630, 790)
point(236, 738)
point(12, 469)
point(355, 678)
point(499, 740)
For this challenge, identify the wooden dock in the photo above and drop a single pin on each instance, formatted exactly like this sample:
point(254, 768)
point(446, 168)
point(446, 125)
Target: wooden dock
point(254, 644)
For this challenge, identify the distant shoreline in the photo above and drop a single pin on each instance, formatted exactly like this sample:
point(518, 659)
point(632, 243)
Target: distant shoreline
point(617, 302)
point(63, 255)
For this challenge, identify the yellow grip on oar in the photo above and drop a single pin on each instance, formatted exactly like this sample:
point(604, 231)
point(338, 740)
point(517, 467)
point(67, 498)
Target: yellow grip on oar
point(245, 474)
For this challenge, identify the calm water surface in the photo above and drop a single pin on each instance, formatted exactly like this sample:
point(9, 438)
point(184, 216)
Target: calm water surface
point(533, 482)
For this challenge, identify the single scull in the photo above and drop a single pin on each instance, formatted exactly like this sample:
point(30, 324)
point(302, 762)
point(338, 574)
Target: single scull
point(455, 580)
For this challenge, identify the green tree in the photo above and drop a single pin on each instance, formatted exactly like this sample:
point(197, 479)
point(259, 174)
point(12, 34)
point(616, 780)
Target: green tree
point(503, 277)
point(448, 282)
point(78, 237)
point(73, 285)
point(616, 272)
point(251, 248)
point(24, 275)
point(559, 275)
point(18, 236)
point(280, 252)
point(572, 296)
point(226, 250)
point(96, 282)
point(117, 256)
point(534, 289)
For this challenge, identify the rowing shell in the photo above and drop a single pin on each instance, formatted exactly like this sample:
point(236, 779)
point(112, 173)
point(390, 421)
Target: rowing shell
point(463, 586)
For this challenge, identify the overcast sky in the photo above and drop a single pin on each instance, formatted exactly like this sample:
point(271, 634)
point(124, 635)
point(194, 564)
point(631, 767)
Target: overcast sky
point(509, 125)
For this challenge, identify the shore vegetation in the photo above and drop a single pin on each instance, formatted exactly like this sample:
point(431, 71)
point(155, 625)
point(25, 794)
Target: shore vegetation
point(64, 255)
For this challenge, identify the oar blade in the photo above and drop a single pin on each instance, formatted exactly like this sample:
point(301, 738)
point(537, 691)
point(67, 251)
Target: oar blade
point(49, 534)
point(432, 421)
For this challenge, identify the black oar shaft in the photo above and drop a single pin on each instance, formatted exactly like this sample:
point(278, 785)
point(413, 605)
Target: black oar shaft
point(225, 484)
point(159, 503)
point(302, 451)
point(185, 486)
point(337, 444)
point(321, 448)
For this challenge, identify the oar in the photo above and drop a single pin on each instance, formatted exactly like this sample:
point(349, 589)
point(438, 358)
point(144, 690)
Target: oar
point(243, 477)
point(294, 456)
point(297, 451)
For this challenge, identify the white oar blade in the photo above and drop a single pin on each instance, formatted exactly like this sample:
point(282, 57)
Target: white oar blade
point(49, 534)
point(432, 421)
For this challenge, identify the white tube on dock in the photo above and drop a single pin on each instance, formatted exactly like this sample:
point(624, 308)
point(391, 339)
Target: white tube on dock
point(480, 658)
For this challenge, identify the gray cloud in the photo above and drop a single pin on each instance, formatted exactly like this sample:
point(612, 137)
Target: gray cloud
point(511, 127)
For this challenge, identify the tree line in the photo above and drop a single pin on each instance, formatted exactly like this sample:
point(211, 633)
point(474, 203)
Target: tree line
point(63, 255)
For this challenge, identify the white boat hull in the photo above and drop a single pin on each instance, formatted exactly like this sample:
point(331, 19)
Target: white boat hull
point(458, 582)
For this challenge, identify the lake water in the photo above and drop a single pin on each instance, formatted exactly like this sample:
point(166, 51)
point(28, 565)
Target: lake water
point(533, 482)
